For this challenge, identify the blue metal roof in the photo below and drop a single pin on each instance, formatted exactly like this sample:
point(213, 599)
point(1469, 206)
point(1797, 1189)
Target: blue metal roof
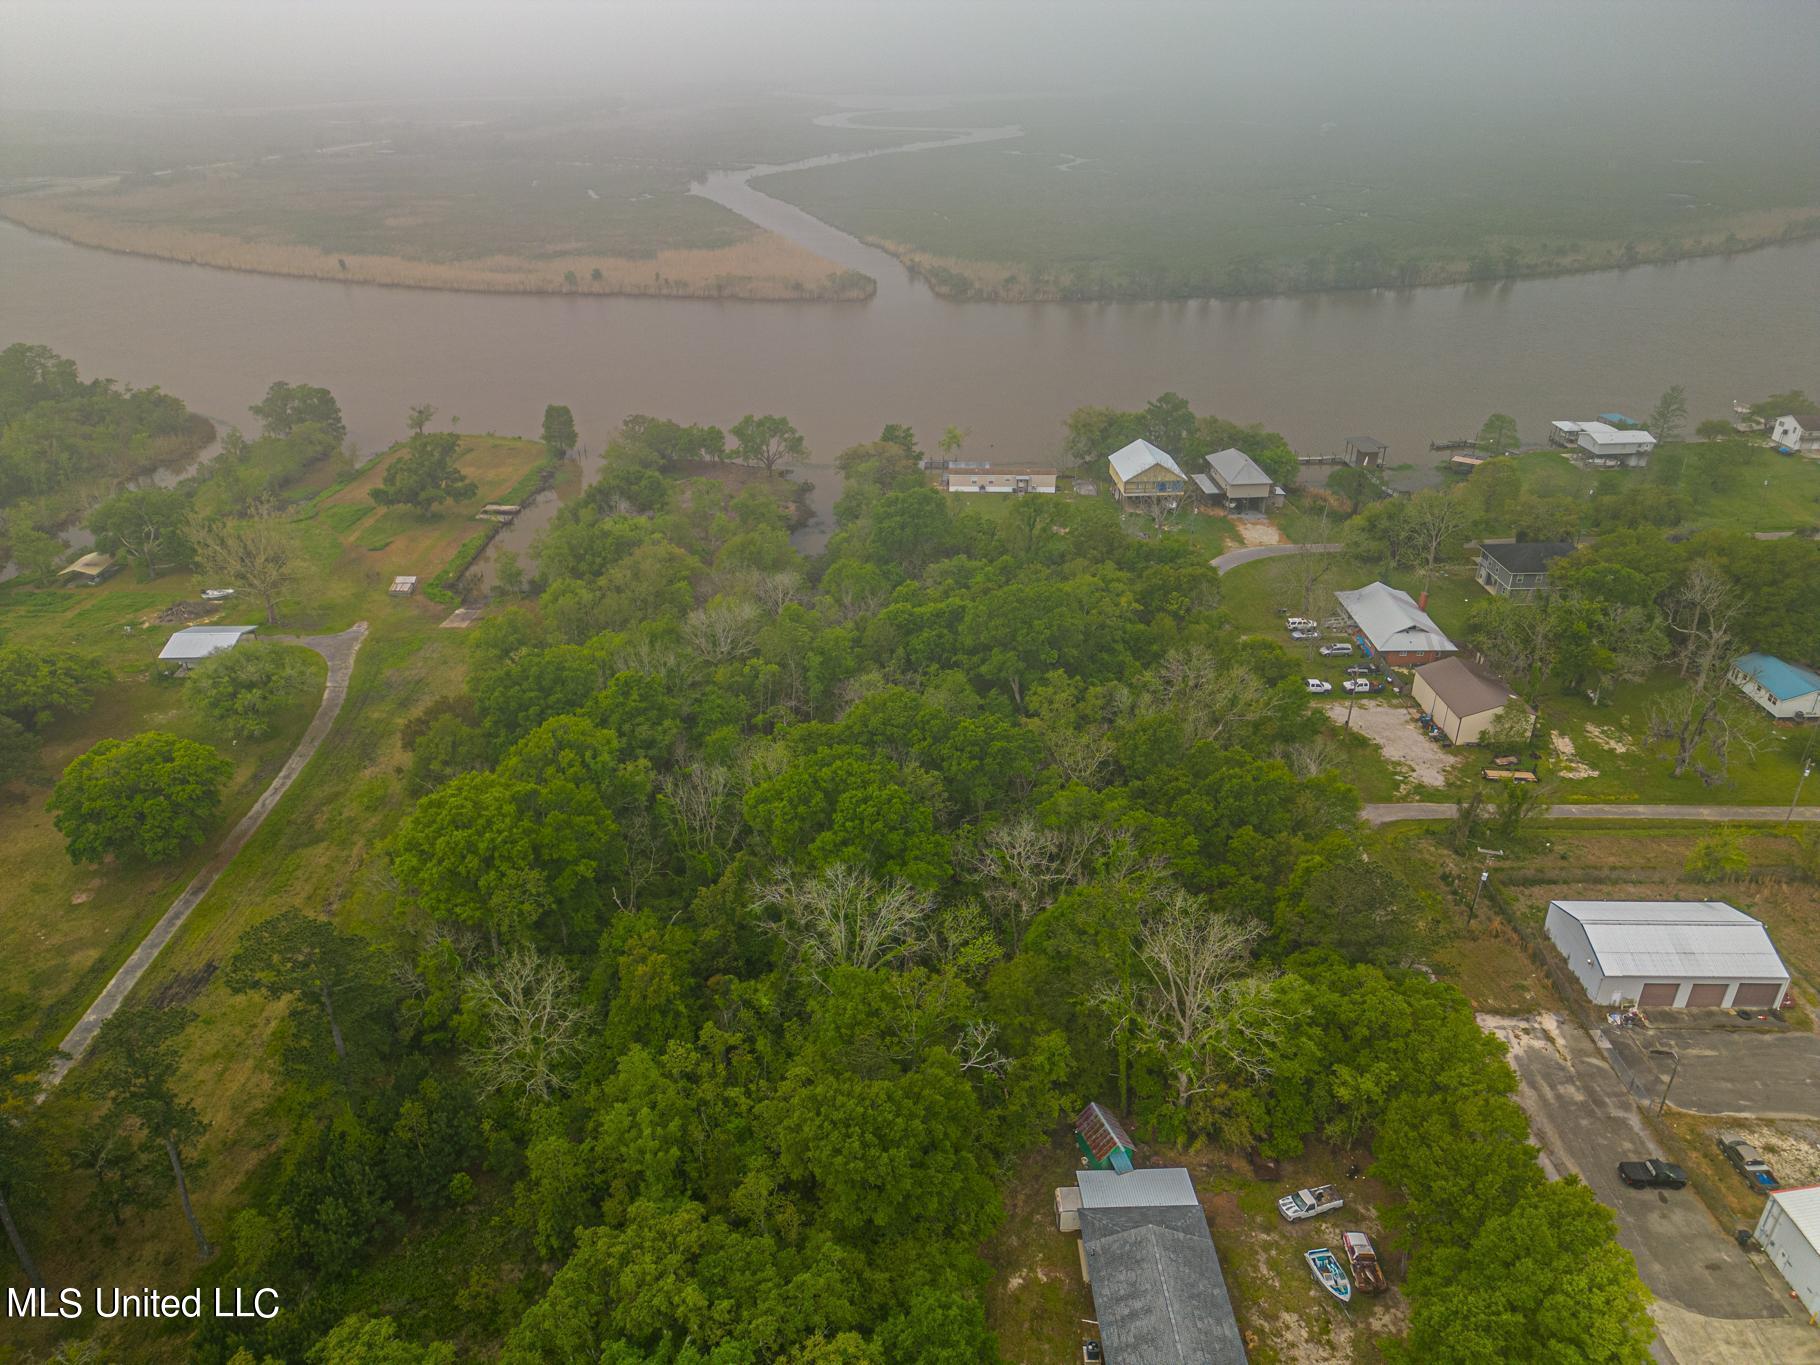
point(1617, 419)
point(1783, 681)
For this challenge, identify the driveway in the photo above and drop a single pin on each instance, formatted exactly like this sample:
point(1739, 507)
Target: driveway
point(338, 651)
point(1233, 558)
point(1716, 1304)
point(1392, 727)
point(1384, 813)
point(1731, 1071)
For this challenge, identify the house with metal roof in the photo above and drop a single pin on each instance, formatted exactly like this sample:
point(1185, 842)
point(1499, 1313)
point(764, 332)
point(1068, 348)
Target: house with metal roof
point(1604, 441)
point(1390, 623)
point(1518, 569)
point(1679, 954)
point(1158, 1293)
point(1461, 695)
point(1788, 1230)
point(1238, 480)
point(1141, 470)
point(1787, 691)
point(192, 644)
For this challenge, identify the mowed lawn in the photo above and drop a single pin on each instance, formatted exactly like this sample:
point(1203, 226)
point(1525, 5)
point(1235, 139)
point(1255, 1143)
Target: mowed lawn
point(64, 928)
point(401, 540)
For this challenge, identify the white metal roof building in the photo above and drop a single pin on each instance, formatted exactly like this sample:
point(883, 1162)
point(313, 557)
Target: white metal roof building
point(1130, 461)
point(1609, 442)
point(1680, 954)
point(1391, 623)
point(198, 642)
point(1789, 1233)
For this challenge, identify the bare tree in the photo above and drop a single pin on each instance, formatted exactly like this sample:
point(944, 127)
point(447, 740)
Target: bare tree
point(534, 1026)
point(1196, 1002)
point(977, 1049)
point(251, 552)
point(775, 591)
point(1701, 722)
point(703, 802)
point(1308, 567)
point(844, 916)
point(722, 630)
point(1211, 699)
point(1516, 638)
point(1703, 605)
point(1431, 519)
point(1022, 866)
point(1309, 757)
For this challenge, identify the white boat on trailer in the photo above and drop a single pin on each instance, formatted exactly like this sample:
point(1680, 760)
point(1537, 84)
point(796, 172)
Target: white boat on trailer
point(1328, 1270)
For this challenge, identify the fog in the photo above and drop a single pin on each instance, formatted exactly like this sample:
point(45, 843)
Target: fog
point(1752, 58)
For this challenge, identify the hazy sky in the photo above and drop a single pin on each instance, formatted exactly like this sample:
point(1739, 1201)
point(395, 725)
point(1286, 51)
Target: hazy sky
point(133, 53)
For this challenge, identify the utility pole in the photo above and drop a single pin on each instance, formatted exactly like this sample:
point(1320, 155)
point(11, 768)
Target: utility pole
point(1675, 1071)
point(1806, 768)
point(1477, 891)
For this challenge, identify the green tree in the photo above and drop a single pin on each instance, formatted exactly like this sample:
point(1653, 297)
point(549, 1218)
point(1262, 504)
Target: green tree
point(294, 954)
point(1714, 429)
point(24, 1155)
point(559, 436)
point(419, 418)
point(37, 553)
point(952, 440)
point(243, 689)
point(1169, 424)
point(1498, 434)
point(426, 474)
point(767, 441)
point(360, 1340)
point(146, 524)
point(286, 407)
point(153, 796)
point(134, 1072)
point(41, 686)
point(1669, 415)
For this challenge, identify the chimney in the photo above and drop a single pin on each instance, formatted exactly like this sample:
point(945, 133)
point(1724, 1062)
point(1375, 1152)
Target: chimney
point(1422, 601)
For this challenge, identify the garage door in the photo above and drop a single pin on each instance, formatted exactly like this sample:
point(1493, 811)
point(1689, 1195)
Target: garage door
point(1705, 997)
point(1758, 996)
point(1659, 993)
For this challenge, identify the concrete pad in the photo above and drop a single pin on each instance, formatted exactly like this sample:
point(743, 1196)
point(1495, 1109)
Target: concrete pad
point(1732, 1071)
point(1586, 1123)
point(461, 618)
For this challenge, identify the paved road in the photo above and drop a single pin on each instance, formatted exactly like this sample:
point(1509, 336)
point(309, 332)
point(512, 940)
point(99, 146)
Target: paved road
point(339, 651)
point(1233, 558)
point(1719, 1304)
point(1730, 1071)
point(1388, 812)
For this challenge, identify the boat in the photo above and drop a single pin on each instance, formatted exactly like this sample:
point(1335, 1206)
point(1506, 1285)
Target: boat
point(1328, 1270)
point(1363, 1257)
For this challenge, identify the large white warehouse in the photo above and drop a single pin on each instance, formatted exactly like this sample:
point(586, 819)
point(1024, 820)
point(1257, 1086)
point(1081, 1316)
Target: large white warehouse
point(1684, 954)
point(1789, 1233)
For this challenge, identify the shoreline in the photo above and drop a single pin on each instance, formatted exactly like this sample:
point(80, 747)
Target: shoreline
point(836, 285)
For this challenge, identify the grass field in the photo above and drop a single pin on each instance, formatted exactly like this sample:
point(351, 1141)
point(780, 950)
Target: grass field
point(1187, 192)
point(1767, 491)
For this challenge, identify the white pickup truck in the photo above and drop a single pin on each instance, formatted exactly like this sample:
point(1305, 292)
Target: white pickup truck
point(1310, 1203)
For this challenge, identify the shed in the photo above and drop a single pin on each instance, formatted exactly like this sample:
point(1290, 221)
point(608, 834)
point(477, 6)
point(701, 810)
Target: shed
point(1670, 954)
point(91, 569)
point(1391, 624)
point(195, 643)
point(1787, 691)
point(1102, 1141)
point(1463, 696)
point(1518, 569)
point(404, 585)
point(1788, 1230)
point(1158, 1291)
point(1365, 452)
point(1141, 470)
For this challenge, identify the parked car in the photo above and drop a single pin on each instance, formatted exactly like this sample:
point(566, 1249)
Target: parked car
point(1300, 623)
point(1748, 1162)
point(1361, 686)
point(1651, 1175)
point(1304, 634)
point(1320, 688)
point(1310, 1203)
point(1335, 651)
point(1359, 670)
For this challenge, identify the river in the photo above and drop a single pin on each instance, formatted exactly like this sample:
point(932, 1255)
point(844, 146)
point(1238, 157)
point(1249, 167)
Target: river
point(1406, 366)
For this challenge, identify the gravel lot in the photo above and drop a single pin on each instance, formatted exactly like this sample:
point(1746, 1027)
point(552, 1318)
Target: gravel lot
point(1392, 727)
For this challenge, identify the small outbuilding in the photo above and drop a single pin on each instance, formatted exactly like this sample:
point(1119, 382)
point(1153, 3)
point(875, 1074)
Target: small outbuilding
point(1669, 954)
point(1462, 696)
point(1391, 624)
point(1365, 452)
point(1518, 569)
point(1239, 480)
point(1788, 1230)
point(403, 585)
point(1564, 433)
point(1158, 1292)
point(1787, 691)
point(1102, 1140)
point(193, 644)
point(91, 569)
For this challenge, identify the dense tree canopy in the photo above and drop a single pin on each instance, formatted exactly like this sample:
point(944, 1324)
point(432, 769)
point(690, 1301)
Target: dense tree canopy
point(153, 796)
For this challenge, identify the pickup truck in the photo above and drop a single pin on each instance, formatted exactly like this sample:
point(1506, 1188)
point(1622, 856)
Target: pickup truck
point(1651, 1174)
point(1749, 1163)
point(1310, 1203)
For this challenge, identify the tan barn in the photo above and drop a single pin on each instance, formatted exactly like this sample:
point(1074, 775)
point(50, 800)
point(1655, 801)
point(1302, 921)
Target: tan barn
point(1463, 697)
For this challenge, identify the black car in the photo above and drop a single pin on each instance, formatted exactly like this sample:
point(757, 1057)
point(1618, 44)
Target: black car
point(1651, 1175)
